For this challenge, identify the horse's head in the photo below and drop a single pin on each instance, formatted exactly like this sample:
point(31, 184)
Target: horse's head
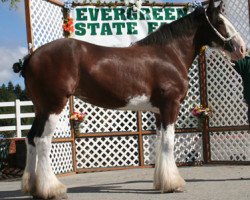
point(223, 35)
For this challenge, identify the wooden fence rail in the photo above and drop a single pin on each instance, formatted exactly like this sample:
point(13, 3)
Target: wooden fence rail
point(18, 115)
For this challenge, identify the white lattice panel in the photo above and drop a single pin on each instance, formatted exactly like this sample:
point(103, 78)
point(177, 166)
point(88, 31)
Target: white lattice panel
point(224, 89)
point(230, 146)
point(46, 22)
point(188, 148)
point(107, 152)
point(148, 121)
point(63, 129)
point(237, 12)
point(185, 118)
point(104, 120)
point(61, 157)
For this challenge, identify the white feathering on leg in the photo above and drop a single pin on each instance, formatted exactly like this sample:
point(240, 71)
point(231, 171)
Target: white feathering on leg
point(29, 175)
point(166, 176)
point(47, 184)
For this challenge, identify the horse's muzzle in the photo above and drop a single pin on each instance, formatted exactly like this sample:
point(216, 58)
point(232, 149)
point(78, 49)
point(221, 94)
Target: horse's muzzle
point(239, 48)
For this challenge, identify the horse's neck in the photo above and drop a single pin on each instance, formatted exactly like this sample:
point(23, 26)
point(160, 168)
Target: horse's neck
point(178, 39)
point(182, 48)
point(191, 41)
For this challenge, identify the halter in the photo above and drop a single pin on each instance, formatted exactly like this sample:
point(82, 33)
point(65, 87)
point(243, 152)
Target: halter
point(225, 40)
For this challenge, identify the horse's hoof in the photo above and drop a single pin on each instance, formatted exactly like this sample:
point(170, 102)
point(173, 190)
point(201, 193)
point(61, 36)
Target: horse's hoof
point(179, 190)
point(59, 197)
point(37, 198)
point(170, 189)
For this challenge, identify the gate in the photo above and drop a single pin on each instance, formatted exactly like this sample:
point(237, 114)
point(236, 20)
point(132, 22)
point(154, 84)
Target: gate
point(112, 139)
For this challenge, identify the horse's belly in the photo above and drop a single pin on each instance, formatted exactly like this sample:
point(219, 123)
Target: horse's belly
point(137, 103)
point(140, 103)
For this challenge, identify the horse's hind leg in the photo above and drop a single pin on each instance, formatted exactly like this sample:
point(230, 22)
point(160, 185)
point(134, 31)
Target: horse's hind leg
point(47, 185)
point(28, 179)
point(29, 175)
point(39, 179)
point(166, 176)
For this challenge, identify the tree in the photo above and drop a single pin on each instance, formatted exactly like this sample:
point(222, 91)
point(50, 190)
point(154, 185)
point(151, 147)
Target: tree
point(12, 3)
point(10, 87)
point(18, 91)
point(7, 93)
point(11, 93)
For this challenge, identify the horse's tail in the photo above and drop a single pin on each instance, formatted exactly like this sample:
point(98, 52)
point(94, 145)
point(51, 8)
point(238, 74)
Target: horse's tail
point(19, 67)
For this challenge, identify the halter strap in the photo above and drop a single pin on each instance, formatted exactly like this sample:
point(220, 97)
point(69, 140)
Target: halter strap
point(225, 40)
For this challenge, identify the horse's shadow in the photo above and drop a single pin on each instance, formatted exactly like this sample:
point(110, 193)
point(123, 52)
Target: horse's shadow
point(111, 188)
point(118, 188)
point(114, 188)
point(216, 180)
point(14, 194)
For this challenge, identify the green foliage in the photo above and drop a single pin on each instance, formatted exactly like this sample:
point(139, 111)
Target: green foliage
point(13, 3)
point(11, 93)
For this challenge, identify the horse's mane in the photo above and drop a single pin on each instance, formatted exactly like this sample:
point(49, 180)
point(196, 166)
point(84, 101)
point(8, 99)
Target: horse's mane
point(167, 32)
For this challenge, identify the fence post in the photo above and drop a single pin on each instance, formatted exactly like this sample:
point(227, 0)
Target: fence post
point(205, 126)
point(18, 118)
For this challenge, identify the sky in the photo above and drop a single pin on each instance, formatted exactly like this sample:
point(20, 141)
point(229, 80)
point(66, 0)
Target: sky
point(13, 42)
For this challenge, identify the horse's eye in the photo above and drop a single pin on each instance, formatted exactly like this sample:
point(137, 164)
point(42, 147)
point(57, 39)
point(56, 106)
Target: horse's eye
point(220, 22)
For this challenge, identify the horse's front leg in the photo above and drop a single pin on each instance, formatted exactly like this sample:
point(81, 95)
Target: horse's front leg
point(166, 175)
point(39, 179)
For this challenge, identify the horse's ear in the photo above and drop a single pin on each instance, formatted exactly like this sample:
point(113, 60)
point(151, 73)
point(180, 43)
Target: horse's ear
point(211, 11)
point(219, 8)
point(211, 5)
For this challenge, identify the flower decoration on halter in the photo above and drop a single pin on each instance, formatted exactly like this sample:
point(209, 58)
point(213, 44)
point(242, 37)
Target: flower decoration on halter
point(68, 25)
point(135, 4)
point(200, 112)
point(203, 49)
point(68, 4)
point(192, 6)
point(78, 117)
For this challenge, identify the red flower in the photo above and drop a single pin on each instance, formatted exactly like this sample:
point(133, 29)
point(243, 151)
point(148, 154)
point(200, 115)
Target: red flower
point(68, 25)
point(77, 117)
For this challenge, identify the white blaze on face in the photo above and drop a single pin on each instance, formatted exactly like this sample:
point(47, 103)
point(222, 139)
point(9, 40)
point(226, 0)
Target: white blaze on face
point(238, 43)
point(229, 27)
point(141, 103)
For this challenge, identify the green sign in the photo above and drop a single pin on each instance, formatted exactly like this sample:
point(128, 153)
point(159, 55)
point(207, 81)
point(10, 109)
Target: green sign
point(99, 23)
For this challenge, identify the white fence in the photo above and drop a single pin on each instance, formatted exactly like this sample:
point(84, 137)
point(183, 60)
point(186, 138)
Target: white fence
point(18, 115)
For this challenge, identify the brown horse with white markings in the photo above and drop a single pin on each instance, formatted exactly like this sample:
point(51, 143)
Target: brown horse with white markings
point(149, 75)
